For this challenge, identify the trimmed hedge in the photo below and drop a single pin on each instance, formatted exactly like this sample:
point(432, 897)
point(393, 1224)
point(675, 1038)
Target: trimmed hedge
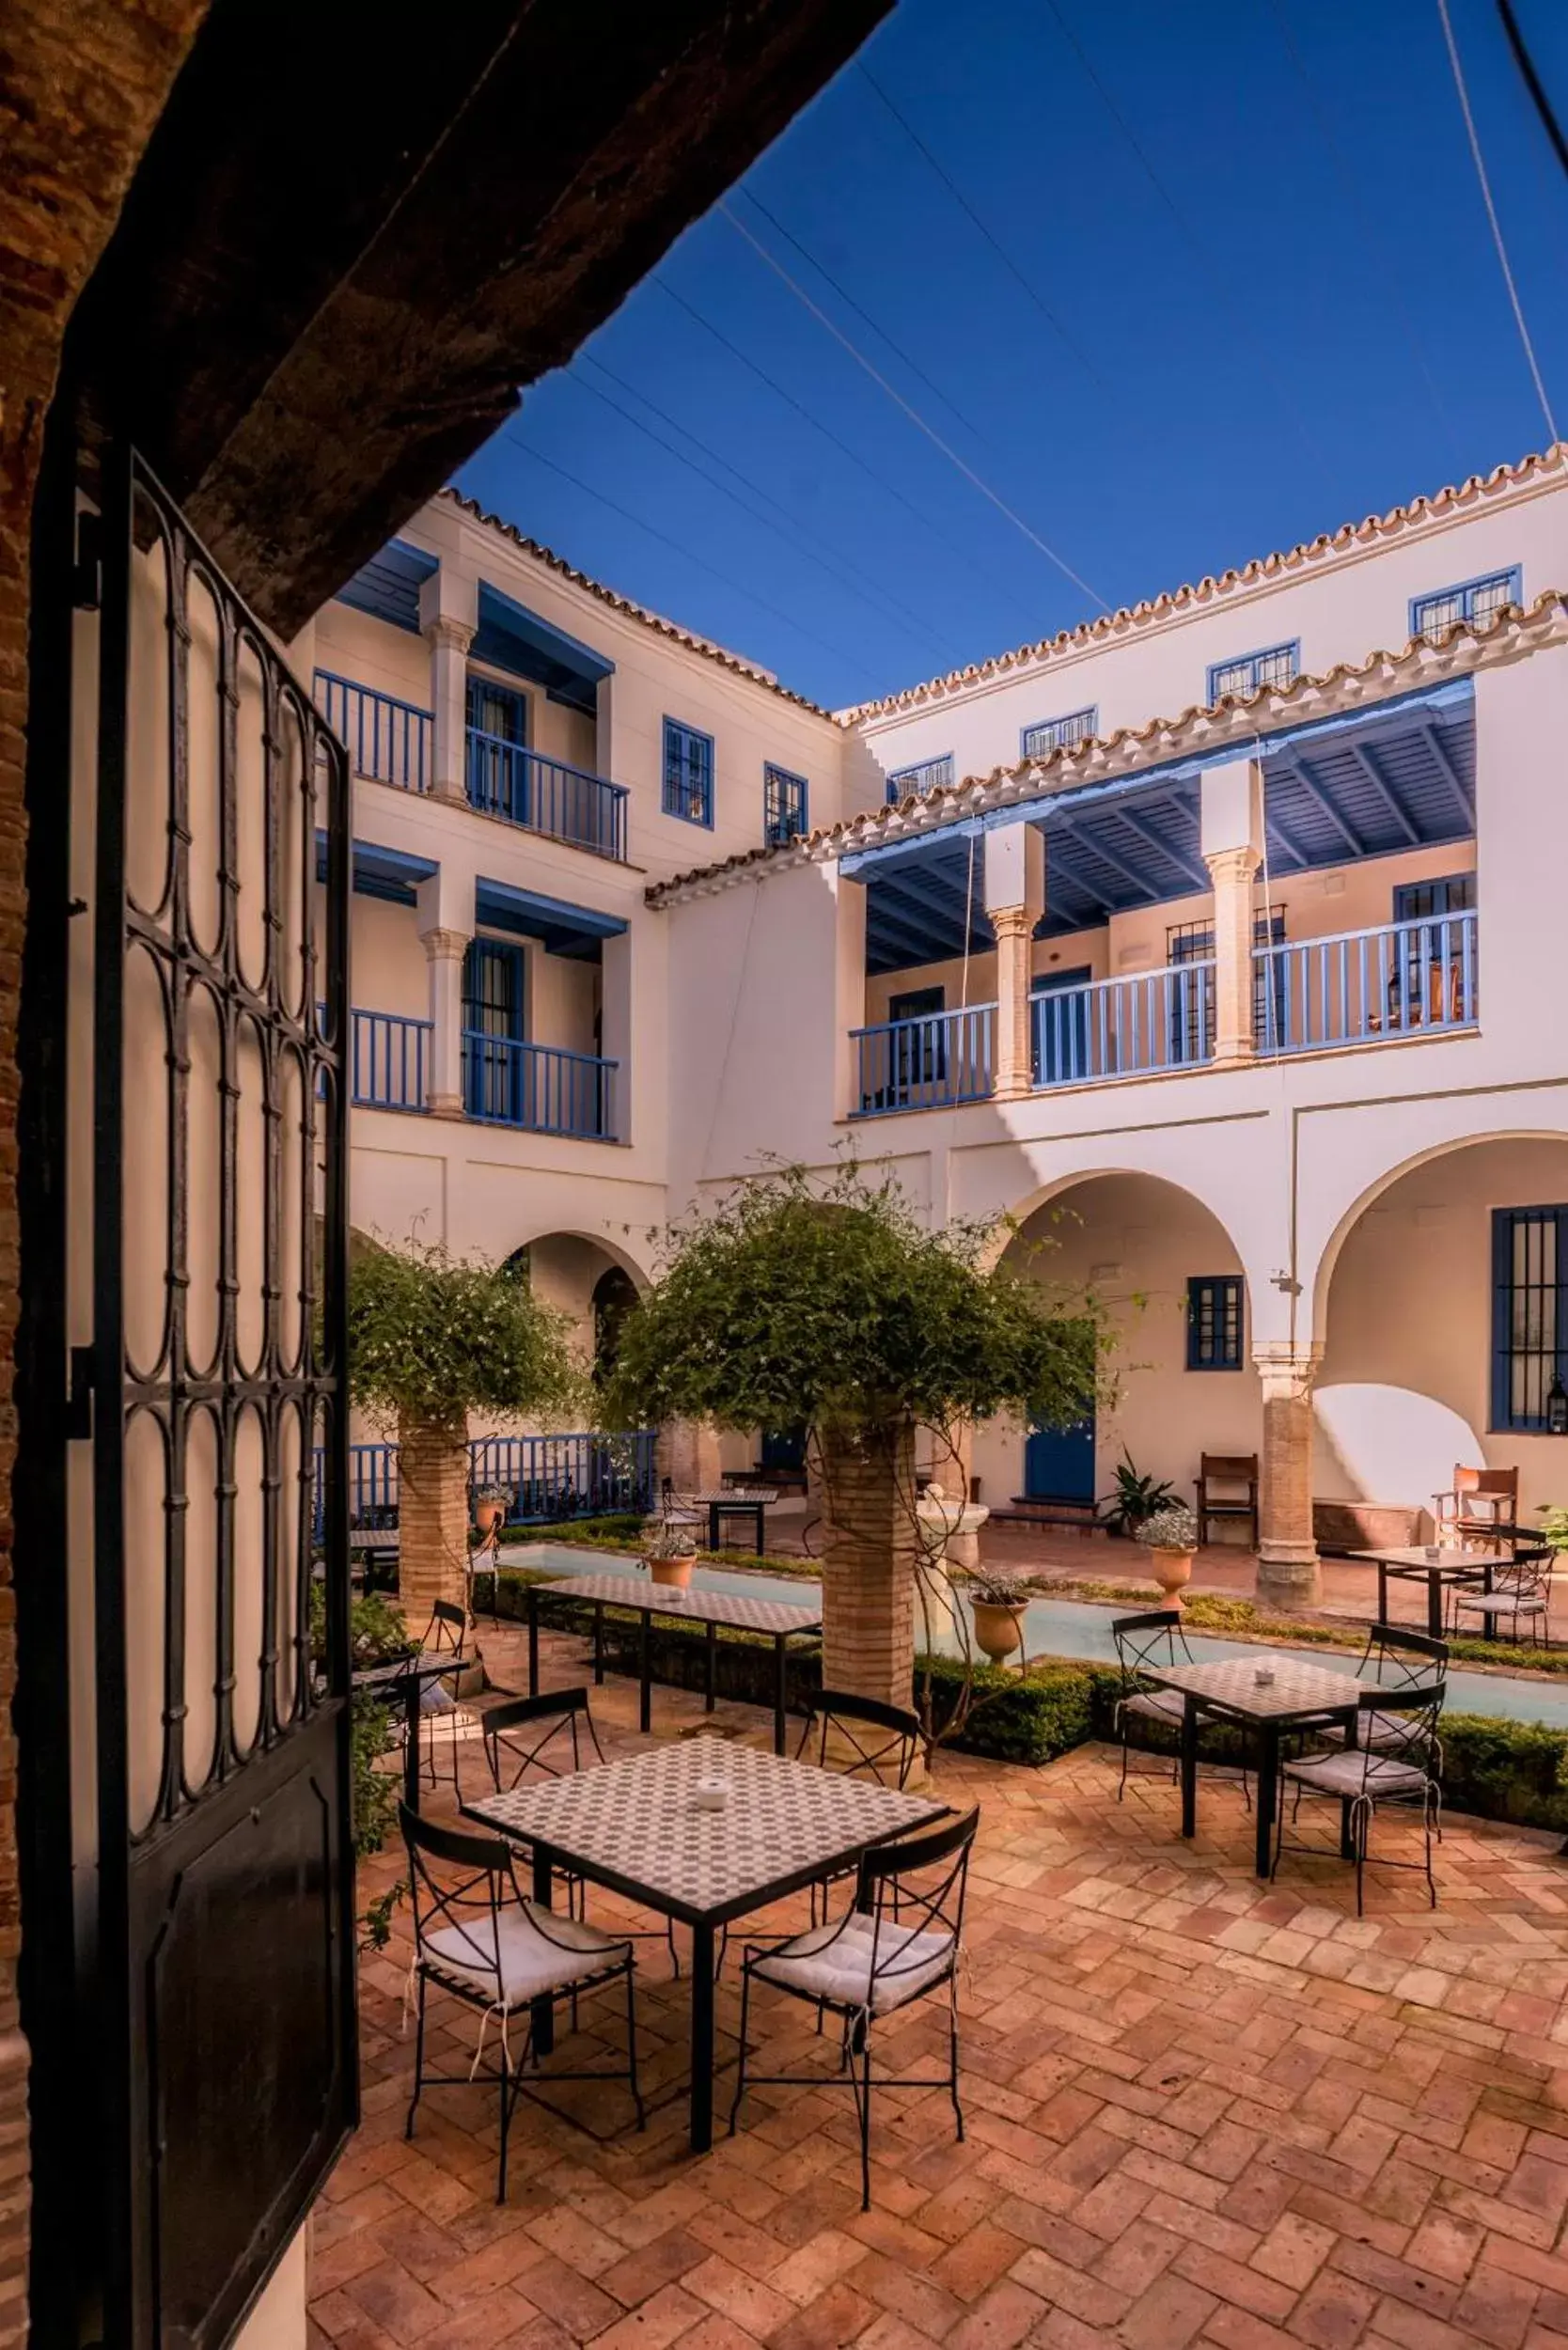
point(1492, 1768)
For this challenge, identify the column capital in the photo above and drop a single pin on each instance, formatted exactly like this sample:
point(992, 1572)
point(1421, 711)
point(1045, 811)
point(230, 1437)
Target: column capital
point(1286, 1370)
point(449, 634)
point(1011, 921)
point(446, 946)
point(1230, 866)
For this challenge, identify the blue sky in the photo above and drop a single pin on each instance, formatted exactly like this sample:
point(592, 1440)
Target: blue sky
point(1245, 292)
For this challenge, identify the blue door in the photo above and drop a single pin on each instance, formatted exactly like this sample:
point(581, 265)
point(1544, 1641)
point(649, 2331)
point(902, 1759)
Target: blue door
point(1060, 1030)
point(1058, 1464)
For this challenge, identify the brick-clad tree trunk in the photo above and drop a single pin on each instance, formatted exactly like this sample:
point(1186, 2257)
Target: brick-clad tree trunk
point(432, 1518)
point(868, 1555)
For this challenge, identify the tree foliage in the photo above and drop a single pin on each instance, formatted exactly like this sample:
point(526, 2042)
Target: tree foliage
point(433, 1336)
point(827, 1302)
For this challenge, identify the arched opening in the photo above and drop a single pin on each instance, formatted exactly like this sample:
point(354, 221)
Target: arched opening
point(1446, 1328)
point(1173, 1288)
point(614, 1293)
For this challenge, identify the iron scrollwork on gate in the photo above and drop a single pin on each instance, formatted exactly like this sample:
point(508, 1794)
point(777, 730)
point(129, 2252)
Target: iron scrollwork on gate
point(226, 1942)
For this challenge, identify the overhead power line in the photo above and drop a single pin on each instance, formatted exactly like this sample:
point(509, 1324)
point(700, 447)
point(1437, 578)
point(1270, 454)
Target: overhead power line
point(1206, 260)
point(868, 592)
point(890, 489)
point(1388, 275)
point(911, 413)
point(1539, 99)
point(1479, 160)
point(970, 214)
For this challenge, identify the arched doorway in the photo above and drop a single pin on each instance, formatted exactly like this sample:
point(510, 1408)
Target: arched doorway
point(1172, 1284)
point(614, 1293)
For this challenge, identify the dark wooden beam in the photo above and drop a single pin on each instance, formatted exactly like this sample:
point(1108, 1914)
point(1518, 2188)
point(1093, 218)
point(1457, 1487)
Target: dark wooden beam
point(346, 249)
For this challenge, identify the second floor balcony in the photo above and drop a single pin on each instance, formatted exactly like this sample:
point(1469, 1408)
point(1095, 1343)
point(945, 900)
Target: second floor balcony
point(545, 795)
point(539, 1088)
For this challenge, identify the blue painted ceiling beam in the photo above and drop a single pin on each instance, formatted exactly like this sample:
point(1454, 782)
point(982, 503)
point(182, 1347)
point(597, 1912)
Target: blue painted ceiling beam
point(1451, 777)
point(1385, 791)
point(1298, 773)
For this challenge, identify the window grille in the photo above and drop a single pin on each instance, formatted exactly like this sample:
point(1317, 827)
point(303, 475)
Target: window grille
point(932, 774)
point(1477, 601)
point(1275, 664)
point(1529, 1323)
point(688, 774)
point(1060, 734)
point(1214, 1316)
point(784, 806)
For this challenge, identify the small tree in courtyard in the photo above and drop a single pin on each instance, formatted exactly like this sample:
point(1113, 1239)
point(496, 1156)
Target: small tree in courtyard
point(432, 1339)
point(828, 1303)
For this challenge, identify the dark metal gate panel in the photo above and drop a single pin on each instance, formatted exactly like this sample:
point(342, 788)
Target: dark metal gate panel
point(226, 1926)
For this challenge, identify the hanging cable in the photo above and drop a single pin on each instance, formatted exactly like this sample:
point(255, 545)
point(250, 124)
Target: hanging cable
point(1479, 160)
point(913, 413)
point(1539, 99)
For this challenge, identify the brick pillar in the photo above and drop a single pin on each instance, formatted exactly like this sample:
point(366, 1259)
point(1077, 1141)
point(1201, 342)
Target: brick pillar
point(687, 1452)
point(1014, 1054)
point(444, 953)
point(450, 640)
point(432, 1519)
point(869, 1546)
point(1288, 1573)
point(1232, 871)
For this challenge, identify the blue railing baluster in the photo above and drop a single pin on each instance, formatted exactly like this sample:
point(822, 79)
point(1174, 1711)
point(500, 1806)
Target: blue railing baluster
point(540, 1088)
point(546, 795)
point(929, 1064)
point(388, 739)
point(1402, 977)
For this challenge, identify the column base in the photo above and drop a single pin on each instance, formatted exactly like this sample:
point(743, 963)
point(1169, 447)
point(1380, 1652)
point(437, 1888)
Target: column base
point(1289, 1576)
point(1232, 1053)
point(1012, 1090)
point(447, 795)
point(444, 1106)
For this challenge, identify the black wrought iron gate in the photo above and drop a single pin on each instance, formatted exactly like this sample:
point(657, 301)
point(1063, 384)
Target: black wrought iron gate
point(215, 1984)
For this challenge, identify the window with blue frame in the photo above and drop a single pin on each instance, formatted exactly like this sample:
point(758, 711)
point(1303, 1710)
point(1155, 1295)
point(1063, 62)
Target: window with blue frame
point(497, 744)
point(688, 774)
point(1060, 734)
point(1530, 1313)
point(492, 1027)
point(931, 774)
point(784, 806)
point(1474, 599)
point(1214, 1318)
point(1421, 901)
point(1274, 665)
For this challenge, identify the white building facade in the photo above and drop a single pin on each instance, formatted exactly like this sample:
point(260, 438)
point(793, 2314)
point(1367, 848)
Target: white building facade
point(1213, 944)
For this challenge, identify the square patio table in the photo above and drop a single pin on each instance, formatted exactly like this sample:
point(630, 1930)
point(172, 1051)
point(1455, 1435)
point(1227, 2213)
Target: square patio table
point(406, 1678)
point(634, 1827)
point(1411, 1565)
point(733, 1501)
point(780, 1619)
point(1299, 1694)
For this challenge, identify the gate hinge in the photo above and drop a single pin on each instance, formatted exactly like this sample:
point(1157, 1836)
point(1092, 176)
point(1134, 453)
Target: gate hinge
point(79, 1402)
point(86, 584)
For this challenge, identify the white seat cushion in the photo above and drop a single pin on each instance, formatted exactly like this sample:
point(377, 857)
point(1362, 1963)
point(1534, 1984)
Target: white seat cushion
point(834, 1962)
point(1501, 1603)
point(1352, 1774)
point(1377, 1729)
point(541, 1950)
point(1159, 1705)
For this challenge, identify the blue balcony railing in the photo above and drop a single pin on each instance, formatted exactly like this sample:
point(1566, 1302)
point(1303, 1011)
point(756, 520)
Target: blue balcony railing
point(1130, 1027)
point(389, 1062)
point(1406, 979)
point(546, 795)
point(926, 1064)
point(545, 1478)
point(538, 1086)
point(387, 739)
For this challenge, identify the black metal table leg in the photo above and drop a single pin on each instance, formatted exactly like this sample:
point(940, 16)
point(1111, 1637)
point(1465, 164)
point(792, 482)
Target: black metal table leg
point(599, 1644)
point(645, 1716)
point(714, 1508)
point(1189, 1767)
point(758, 1516)
point(1383, 1590)
point(543, 2014)
point(1486, 1586)
point(703, 2040)
point(710, 1668)
point(412, 1710)
point(1268, 1795)
point(781, 1691)
point(533, 1641)
point(1435, 1604)
point(1347, 1816)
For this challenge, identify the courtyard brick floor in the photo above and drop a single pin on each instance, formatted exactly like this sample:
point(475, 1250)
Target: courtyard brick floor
point(1200, 2111)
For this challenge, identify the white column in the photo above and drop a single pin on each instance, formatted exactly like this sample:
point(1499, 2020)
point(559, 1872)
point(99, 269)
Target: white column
point(448, 614)
point(443, 954)
point(849, 986)
point(615, 1030)
point(1233, 840)
point(1014, 877)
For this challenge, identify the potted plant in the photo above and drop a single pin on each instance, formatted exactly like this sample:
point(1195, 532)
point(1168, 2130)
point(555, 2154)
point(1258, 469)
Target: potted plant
point(1136, 1498)
point(670, 1553)
point(490, 1514)
point(996, 1602)
point(432, 1339)
point(1170, 1537)
point(828, 1303)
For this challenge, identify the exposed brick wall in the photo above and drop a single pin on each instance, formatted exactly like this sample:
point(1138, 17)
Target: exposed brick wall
point(868, 1546)
point(433, 1520)
point(79, 88)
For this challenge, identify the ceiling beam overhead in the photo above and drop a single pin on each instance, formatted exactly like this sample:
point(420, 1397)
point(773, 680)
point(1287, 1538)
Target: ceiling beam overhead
point(1451, 777)
point(1297, 772)
point(1386, 792)
point(1190, 868)
point(341, 254)
point(1145, 892)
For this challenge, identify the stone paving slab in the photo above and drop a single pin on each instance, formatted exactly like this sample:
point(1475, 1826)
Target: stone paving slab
point(1200, 2111)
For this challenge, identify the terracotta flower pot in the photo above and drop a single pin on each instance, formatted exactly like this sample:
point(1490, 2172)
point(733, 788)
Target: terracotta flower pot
point(1172, 1571)
point(488, 1517)
point(998, 1628)
point(675, 1574)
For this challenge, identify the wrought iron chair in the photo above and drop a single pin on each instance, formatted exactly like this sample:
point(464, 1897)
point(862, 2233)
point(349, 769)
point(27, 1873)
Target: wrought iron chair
point(1403, 1769)
point(480, 1940)
point(874, 1741)
point(677, 1509)
point(1521, 1588)
point(900, 1942)
point(1403, 1662)
point(445, 1635)
point(1154, 1638)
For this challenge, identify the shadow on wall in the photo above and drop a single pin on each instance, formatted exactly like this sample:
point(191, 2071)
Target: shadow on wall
point(1388, 1445)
